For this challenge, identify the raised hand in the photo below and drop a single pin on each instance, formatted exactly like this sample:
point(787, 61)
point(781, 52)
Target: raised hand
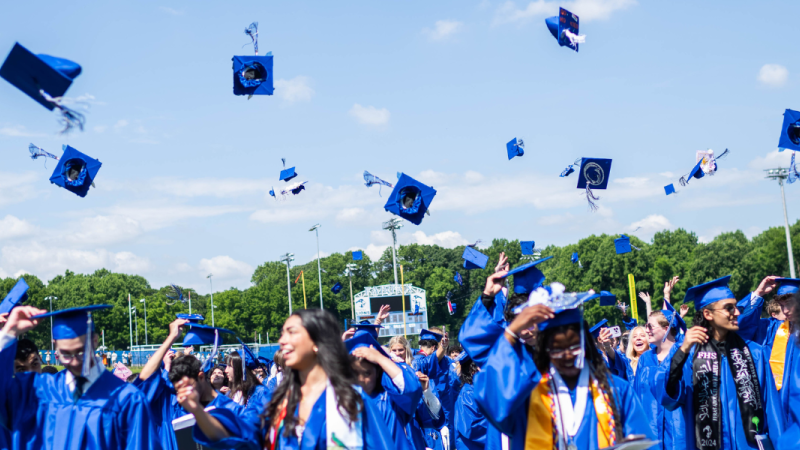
point(370, 354)
point(644, 296)
point(382, 314)
point(502, 263)
point(348, 334)
point(423, 380)
point(668, 287)
point(19, 320)
point(695, 335)
point(684, 310)
point(175, 327)
point(529, 317)
point(766, 286)
point(188, 397)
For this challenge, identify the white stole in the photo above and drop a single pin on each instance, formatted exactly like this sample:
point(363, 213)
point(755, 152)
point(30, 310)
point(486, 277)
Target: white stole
point(568, 418)
point(341, 433)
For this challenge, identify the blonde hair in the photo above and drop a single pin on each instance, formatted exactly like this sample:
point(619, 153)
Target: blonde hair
point(402, 341)
point(629, 350)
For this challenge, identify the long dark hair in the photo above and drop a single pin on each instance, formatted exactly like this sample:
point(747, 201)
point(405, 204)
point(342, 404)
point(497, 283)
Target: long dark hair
point(596, 363)
point(332, 356)
point(240, 383)
point(468, 370)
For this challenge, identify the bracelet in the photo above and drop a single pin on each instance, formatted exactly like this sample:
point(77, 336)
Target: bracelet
point(514, 335)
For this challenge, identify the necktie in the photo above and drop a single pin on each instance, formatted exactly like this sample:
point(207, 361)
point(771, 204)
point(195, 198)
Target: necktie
point(79, 382)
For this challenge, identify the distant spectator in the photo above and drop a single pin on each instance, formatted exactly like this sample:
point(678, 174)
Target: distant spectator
point(114, 358)
point(47, 357)
point(27, 358)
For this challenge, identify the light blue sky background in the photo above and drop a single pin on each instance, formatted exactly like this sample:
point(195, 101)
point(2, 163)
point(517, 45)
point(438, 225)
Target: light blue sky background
point(433, 89)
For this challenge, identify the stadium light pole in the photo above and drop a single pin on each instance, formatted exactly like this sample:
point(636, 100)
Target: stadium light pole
point(288, 258)
point(315, 229)
point(51, 297)
point(393, 225)
point(145, 320)
point(211, 283)
point(130, 321)
point(781, 175)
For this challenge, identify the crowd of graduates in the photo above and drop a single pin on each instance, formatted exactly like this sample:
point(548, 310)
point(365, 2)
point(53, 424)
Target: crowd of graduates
point(532, 374)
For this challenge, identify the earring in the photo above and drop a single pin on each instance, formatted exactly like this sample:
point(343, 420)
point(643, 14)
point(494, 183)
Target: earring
point(316, 349)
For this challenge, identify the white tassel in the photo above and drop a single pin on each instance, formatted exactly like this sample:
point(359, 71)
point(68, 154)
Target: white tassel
point(575, 39)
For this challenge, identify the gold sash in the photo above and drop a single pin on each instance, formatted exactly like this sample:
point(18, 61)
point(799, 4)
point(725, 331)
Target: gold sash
point(543, 434)
point(777, 359)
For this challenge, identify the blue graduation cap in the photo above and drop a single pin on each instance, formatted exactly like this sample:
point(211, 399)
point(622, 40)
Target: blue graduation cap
point(674, 320)
point(16, 296)
point(515, 147)
point(430, 335)
point(336, 288)
point(527, 247)
point(252, 75)
point(366, 327)
point(622, 244)
point(595, 330)
point(473, 259)
point(462, 357)
point(199, 334)
point(44, 78)
point(358, 256)
point(696, 172)
point(364, 340)
point(528, 277)
point(566, 317)
point(75, 171)
point(790, 131)
point(594, 174)
point(410, 199)
point(457, 278)
point(607, 298)
point(785, 286)
point(705, 294)
point(564, 28)
point(192, 318)
point(670, 189)
point(574, 258)
point(287, 174)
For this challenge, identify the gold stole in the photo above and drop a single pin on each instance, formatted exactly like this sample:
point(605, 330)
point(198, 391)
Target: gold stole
point(541, 432)
point(777, 359)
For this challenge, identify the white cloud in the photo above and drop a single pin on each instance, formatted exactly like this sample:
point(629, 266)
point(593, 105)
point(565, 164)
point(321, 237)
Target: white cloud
point(153, 216)
point(650, 225)
point(773, 75)
point(443, 29)
point(120, 124)
point(587, 10)
point(370, 115)
point(12, 227)
point(375, 251)
point(104, 230)
point(298, 89)
point(17, 131)
point(99, 128)
point(174, 12)
point(209, 187)
point(446, 239)
point(17, 187)
point(225, 267)
point(771, 160)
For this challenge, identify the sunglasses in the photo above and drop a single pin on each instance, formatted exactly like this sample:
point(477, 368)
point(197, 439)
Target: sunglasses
point(573, 351)
point(730, 308)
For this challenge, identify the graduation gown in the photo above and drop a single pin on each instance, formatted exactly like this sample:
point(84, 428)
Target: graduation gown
point(426, 427)
point(447, 384)
point(503, 389)
point(396, 407)
point(732, 434)
point(668, 426)
point(111, 414)
point(471, 425)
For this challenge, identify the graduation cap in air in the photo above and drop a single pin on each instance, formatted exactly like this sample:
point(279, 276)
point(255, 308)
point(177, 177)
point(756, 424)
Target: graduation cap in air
point(252, 75)
point(410, 199)
point(528, 277)
point(451, 306)
point(364, 340)
point(515, 147)
point(73, 323)
point(457, 278)
point(45, 79)
point(670, 189)
point(527, 247)
point(16, 296)
point(623, 244)
point(358, 256)
point(286, 174)
point(706, 165)
point(594, 174)
point(192, 318)
point(607, 298)
point(371, 180)
point(571, 168)
point(430, 335)
point(473, 259)
point(595, 330)
point(75, 171)
point(366, 327)
point(790, 131)
point(705, 294)
point(574, 257)
point(564, 27)
point(336, 288)
point(785, 286)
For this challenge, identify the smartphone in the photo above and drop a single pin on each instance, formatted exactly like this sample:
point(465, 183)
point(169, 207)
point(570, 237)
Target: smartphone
point(615, 332)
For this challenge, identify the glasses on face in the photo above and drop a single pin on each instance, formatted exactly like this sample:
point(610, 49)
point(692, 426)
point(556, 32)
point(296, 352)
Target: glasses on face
point(730, 308)
point(571, 352)
point(649, 327)
point(67, 358)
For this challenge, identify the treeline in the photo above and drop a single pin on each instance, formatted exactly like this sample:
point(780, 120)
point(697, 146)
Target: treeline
point(261, 309)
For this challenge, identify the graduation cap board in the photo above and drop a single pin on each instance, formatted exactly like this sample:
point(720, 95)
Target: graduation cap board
point(366, 327)
point(705, 294)
point(473, 259)
point(515, 147)
point(607, 298)
point(670, 189)
point(623, 244)
point(705, 164)
point(44, 78)
point(527, 247)
point(785, 286)
point(252, 75)
point(75, 171)
point(457, 278)
point(410, 199)
point(528, 277)
point(594, 174)
point(336, 288)
point(287, 174)
point(16, 296)
point(790, 131)
point(564, 28)
point(358, 256)
point(595, 330)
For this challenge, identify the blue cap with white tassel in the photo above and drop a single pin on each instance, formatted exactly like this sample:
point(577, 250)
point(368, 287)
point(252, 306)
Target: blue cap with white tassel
point(564, 27)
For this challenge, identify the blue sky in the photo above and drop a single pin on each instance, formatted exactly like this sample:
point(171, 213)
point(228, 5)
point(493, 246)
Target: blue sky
point(432, 89)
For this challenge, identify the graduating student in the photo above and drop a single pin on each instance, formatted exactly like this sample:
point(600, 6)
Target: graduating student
point(395, 392)
point(662, 329)
point(27, 358)
point(720, 382)
point(792, 382)
point(82, 407)
point(566, 398)
point(471, 425)
point(242, 379)
point(182, 386)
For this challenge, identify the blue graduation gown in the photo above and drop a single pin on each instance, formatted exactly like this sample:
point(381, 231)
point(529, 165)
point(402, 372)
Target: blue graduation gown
point(111, 414)
point(471, 425)
point(668, 426)
point(397, 408)
point(447, 385)
point(504, 386)
point(163, 402)
point(732, 434)
point(791, 386)
point(426, 426)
